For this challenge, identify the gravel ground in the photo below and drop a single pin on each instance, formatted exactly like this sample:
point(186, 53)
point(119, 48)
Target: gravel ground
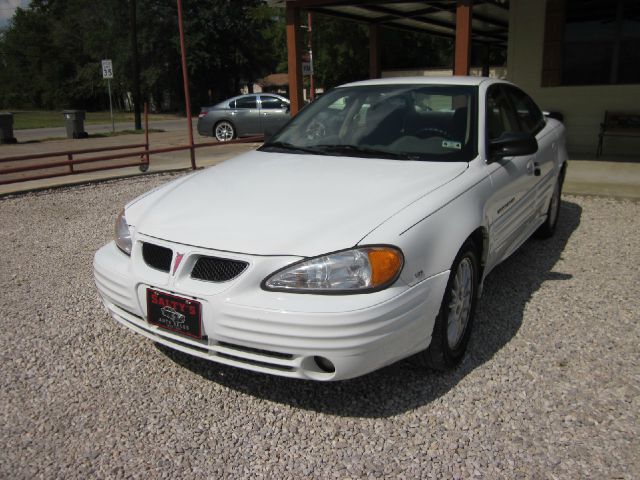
point(550, 388)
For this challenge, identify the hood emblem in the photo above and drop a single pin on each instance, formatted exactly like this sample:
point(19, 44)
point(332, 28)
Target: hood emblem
point(176, 262)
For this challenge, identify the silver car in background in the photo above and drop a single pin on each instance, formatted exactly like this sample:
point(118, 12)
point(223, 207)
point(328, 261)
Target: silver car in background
point(244, 116)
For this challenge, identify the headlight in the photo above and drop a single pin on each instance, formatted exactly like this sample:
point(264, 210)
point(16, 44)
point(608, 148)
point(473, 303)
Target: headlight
point(123, 234)
point(358, 270)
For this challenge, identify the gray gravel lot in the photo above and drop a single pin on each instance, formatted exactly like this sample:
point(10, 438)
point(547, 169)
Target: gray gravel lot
point(550, 388)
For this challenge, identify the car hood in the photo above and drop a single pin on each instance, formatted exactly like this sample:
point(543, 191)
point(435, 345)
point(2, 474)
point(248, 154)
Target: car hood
point(285, 204)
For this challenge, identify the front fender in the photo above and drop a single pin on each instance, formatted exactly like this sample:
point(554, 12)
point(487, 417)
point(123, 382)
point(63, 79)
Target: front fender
point(431, 231)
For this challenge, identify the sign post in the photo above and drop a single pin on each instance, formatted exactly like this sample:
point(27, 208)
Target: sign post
point(107, 73)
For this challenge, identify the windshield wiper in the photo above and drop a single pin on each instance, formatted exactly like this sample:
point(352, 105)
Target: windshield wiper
point(355, 150)
point(291, 147)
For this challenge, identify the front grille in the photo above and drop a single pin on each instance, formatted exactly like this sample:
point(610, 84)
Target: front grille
point(213, 269)
point(157, 257)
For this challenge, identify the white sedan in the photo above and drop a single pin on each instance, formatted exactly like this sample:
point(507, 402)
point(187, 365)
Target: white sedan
point(358, 235)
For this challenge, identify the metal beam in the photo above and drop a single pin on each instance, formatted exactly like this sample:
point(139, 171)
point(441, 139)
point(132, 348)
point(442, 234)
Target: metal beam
point(404, 28)
point(304, 4)
point(463, 37)
point(293, 57)
point(428, 21)
point(483, 18)
point(378, 5)
point(415, 13)
point(375, 70)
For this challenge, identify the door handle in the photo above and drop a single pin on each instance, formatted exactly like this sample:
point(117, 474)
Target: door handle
point(536, 169)
point(533, 168)
point(530, 167)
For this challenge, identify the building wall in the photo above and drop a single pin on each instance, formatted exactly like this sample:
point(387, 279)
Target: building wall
point(583, 107)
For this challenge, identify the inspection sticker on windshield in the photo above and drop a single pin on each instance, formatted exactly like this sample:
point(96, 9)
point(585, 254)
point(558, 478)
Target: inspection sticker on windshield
point(451, 144)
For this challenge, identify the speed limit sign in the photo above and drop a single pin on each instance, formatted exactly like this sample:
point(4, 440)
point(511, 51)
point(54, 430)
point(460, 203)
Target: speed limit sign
point(107, 74)
point(107, 69)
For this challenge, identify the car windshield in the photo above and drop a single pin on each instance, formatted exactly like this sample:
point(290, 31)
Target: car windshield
point(405, 122)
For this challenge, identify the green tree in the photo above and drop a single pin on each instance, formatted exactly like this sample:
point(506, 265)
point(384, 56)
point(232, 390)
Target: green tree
point(51, 51)
point(340, 51)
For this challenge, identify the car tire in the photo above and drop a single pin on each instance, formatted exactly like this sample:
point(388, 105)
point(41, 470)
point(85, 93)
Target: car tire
point(548, 228)
point(224, 131)
point(454, 322)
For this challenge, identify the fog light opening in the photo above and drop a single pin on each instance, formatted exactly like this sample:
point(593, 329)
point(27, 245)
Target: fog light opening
point(324, 364)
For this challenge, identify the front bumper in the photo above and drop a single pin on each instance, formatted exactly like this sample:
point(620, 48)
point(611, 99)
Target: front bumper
point(274, 332)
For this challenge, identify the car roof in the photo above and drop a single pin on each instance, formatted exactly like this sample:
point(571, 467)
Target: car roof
point(224, 103)
point(448, 80)
point(254, 94)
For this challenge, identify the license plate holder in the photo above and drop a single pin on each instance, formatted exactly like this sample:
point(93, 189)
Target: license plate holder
point(174, 313)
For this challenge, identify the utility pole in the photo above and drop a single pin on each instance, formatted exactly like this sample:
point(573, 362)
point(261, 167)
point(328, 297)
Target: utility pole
point(135, 64)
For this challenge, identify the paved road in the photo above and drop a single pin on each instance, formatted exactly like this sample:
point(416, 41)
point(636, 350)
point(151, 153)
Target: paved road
point(33, 134)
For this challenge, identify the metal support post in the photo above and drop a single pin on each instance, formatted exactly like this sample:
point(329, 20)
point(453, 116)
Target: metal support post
point(185, 80)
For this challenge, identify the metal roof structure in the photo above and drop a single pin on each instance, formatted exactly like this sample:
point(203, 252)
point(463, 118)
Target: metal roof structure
point(484, 22)
point(490, 18)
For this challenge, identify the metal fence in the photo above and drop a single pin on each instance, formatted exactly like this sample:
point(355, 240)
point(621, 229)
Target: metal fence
point(22, 168)
point(24, 163)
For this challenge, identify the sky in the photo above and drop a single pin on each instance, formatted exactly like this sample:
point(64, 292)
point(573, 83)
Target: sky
point(7, 7)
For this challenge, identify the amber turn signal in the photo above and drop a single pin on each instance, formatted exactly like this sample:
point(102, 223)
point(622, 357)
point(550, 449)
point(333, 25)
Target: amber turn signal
point(385, 265)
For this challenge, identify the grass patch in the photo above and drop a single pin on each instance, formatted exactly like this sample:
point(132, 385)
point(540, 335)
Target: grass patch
point(23, 119)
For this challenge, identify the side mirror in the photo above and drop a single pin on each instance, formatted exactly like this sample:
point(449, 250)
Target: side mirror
point(555, 115)
point(514, 144)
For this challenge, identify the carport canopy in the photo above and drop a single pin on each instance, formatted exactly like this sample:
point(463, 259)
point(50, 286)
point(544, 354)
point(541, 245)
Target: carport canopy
point(479, 21)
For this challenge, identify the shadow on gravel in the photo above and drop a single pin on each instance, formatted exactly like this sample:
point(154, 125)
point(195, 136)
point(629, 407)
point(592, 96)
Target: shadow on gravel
point(402, 387)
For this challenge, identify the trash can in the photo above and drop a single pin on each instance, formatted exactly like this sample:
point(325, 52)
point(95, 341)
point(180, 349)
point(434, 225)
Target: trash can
point(6, 128)
point(74, 123)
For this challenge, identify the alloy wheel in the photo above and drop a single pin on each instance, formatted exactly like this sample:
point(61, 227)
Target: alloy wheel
point(460, 303)
point(224, 132)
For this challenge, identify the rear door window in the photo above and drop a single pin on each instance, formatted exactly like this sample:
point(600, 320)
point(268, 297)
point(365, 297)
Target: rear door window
point(247, 102)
